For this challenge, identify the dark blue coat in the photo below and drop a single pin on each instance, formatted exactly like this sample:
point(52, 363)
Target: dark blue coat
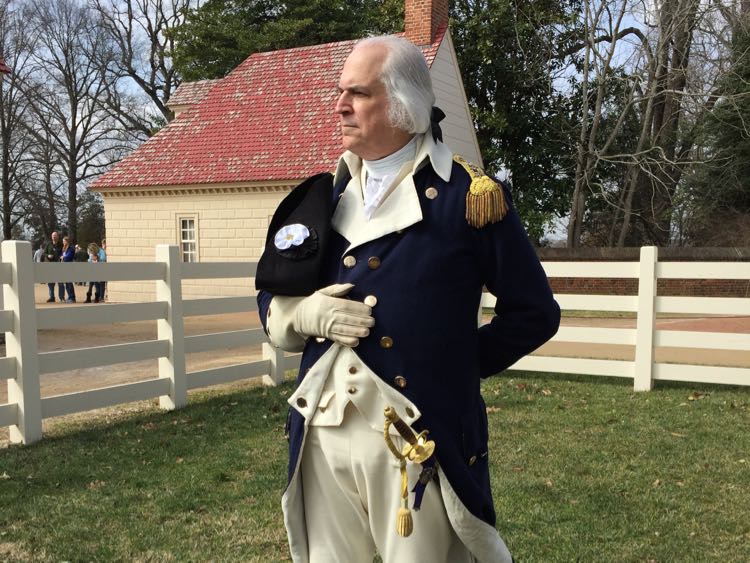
point(428, 285)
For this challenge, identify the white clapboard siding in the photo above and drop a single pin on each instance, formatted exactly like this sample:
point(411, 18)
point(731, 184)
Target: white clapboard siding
point(703, 305)
point(103, 397)
point(218, 306)
point(82, 358)
point(711, 340)
point(226, 374)
point(457, 127)
point(230, 339)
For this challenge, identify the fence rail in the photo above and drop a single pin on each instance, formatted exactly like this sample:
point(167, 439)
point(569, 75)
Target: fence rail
point(23, 364)
point(645, 337)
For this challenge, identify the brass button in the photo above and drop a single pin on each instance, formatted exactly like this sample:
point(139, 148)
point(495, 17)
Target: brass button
point(373, 262)
point(409, 412)
point(386, 342)
point(352, 369)
point(400, 381)
point(371, 300)
point(472, 460)
point(351, 390)
point(431, 192)
point(301, 402)
point(350, 261)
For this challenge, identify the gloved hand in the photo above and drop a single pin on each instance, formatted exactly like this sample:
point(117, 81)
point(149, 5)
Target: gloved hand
point(326, 314)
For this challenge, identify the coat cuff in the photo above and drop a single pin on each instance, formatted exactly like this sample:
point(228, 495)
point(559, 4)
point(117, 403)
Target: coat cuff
point(280, 324)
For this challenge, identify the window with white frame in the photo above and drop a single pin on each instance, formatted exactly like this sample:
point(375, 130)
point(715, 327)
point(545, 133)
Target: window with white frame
point(188, 239)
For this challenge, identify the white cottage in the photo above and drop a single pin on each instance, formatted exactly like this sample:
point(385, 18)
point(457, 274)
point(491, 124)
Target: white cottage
point(210, 180)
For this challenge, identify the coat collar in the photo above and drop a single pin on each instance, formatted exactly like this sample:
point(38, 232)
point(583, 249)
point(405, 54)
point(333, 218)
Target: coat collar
point(399, 210)
point(439, 155)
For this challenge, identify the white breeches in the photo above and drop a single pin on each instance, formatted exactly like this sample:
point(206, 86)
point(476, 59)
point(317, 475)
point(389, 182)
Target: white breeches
point(351, 490)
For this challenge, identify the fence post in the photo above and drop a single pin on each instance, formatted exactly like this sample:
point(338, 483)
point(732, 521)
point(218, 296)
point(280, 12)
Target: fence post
point(21, 343)
point(172, 328)
point(275, 356)
point(644, 342)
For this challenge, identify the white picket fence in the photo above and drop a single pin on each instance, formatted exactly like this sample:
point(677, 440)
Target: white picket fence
point(23, 363)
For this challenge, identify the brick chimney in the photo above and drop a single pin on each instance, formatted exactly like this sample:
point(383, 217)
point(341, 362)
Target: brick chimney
point(422, 18)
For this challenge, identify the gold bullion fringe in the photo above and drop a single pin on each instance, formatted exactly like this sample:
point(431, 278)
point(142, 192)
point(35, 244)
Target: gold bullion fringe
point(485, 208)
point(485, 201)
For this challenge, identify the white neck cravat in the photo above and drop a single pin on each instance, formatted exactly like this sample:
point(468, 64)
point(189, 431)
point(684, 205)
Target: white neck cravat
point(380, 175)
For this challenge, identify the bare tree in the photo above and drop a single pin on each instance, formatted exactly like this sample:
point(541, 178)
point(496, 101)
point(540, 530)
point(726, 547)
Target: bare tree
point(597, 67)
point(143, 34)
point(42, 183)
point(665, 95)
point(66, 91)
point(16, 43)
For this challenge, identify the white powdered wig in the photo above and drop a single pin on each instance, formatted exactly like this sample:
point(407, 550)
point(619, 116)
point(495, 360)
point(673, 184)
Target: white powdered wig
point(407, 82)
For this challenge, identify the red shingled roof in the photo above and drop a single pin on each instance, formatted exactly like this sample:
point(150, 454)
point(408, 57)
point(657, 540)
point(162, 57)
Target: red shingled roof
point(270, 119)
point(191, 92)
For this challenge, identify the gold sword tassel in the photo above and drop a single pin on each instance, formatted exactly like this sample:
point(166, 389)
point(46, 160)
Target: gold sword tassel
point(404, 521)
point(417, 449)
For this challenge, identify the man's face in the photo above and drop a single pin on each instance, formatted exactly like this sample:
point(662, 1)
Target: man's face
point(363, 106)
point(54, 238)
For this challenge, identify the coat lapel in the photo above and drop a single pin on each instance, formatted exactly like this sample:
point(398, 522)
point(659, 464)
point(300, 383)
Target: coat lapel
point(399, 210)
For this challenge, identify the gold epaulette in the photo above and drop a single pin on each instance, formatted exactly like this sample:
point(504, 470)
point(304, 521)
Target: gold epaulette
point(485, 200)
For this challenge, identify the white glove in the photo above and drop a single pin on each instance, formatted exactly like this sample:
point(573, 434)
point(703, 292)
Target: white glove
point(326, 314)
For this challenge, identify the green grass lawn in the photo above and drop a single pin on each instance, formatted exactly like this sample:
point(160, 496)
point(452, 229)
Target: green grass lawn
point(583, 469)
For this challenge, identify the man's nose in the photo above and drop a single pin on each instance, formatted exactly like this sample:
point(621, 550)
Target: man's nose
point(342, 104)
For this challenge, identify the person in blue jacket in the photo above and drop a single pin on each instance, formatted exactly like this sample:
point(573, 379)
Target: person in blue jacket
point(389, 328)
point(68, 255)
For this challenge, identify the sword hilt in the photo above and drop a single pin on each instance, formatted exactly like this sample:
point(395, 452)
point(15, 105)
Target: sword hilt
point(418, 448)
point(401, 427)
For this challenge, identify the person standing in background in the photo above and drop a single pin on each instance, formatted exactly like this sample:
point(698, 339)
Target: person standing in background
point(39, 254)
point(53, 253)
point(94, 253)
point(103, 258)
point(68, 255)
point(80, 256)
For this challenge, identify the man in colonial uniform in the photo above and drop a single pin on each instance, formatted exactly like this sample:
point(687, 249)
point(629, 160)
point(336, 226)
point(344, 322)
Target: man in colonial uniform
point(378, 276)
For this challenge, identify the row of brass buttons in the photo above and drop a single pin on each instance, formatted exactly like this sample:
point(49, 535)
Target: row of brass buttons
point(373, 262)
